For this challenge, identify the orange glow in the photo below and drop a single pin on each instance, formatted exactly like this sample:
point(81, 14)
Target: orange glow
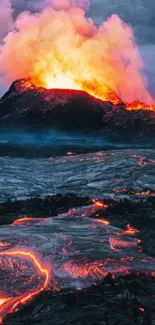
point(12, 304)
point(142, 309)
point(3, 300)
point(136, 105)
point(104, 222)
point(4, 244)
point(128, 191)
point(70, 153)
point(26, 219)
point(100, 204)
point(129, 231)
point(65, 49)
point(92, 269)
point(116, 244)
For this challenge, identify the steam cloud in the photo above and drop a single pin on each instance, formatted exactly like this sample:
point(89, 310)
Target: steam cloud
point(57, 39)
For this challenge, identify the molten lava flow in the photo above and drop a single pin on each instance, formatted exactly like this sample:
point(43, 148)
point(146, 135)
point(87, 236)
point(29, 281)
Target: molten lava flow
point(4, 244)
point(116, 244)
point(129, 191)
point(104, 222)
point(92, 269)
point(11, 304)
point(129, 231)
point(62, 48)
point(100, 204)
point(142, 309)
point(69, 153)
point(136, 105)
point(26, 219)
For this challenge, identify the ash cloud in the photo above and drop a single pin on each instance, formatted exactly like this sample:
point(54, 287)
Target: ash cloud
point(139, 13)
point(6, 17)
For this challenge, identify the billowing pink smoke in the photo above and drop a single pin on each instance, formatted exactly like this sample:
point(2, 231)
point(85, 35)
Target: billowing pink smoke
point(59, 47)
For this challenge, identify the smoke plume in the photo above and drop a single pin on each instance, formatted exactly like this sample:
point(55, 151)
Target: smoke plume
point(6, 20)
point(58, 46)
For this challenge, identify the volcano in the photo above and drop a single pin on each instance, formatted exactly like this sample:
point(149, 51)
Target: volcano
point(25, 104)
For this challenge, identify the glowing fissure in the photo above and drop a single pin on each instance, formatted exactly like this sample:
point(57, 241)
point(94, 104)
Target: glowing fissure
point(11, 304)
point(62, 48)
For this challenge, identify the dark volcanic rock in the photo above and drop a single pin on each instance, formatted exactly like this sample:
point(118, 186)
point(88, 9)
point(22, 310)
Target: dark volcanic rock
point(26, 104)
point(40, 208)
point(120, 301)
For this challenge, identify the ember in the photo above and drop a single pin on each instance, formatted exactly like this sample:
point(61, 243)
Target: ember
point(94, 269)
point(136, 105)
point(104, 222)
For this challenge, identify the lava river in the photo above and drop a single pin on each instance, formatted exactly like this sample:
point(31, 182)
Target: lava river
point(68, 251)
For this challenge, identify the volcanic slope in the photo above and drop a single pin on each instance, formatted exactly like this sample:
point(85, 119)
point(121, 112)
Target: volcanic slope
point(26, 104)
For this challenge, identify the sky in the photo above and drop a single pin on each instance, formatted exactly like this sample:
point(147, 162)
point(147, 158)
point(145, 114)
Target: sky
point(139, 13)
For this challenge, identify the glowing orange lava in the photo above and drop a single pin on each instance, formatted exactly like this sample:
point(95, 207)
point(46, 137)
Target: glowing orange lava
point(129, 231)
point(100, 204)
point(137, 105)
point(104, 222)
point(92, 269)
point(116, 244)
point(26, 219)
point(4, 244)
point(11, 304)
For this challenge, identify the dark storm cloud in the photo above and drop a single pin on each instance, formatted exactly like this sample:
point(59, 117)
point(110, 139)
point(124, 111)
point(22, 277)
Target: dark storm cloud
point(139, 13)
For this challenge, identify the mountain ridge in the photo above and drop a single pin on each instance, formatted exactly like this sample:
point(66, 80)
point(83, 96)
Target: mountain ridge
point(26, 104)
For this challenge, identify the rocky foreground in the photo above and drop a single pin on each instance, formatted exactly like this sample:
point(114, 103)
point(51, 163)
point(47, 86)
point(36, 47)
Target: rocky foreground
point(116, 173)
point(117, 299)
point(97, 236)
